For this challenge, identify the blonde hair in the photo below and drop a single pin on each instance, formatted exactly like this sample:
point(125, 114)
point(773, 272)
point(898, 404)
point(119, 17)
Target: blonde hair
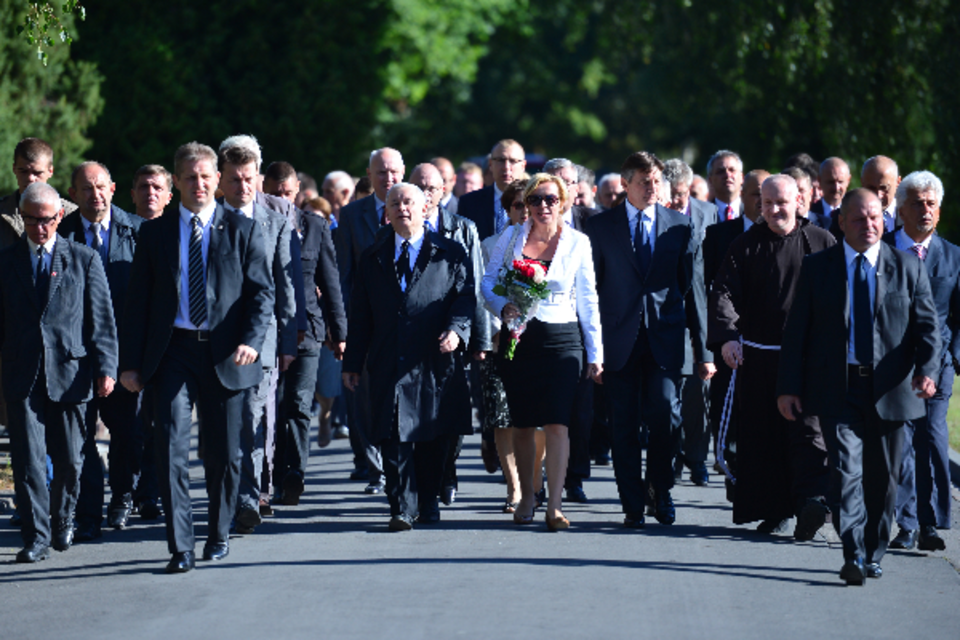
point(538, 179)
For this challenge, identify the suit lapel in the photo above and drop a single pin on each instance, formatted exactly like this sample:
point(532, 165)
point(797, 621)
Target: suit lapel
point(623, 233)
point(78, 233)
point(24, 269)
point(58, 264)
point(839, 262)
point(933, 255)
point(387, 263)
point(370, 217)
point(170, 246)
point(885, 274)
point(217, 225)
point(427, 250)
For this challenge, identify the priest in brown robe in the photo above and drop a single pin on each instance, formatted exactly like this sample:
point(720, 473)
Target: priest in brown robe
point(782, 467)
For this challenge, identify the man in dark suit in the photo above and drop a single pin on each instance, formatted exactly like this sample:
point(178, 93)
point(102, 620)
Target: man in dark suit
point(860, 349)
point(152, 191)
point(449, 202)
point(338, 191)
point(413, 303)
point(240, 168)
point(923, 500)
point(357, 228)
point(725, 175)
point(881, 175)
point(695, 385)
point(834, 180)
point(112, 233)
point(507, 163)
point(609, 188)
point(59, 344)
point(198, 308)
point(646, 258)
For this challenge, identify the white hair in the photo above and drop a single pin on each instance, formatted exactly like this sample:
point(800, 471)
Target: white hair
point(41, 193)
point(339, 179)
point(610, 177)
point(921, 182)
point(677, 172)
point(379, 152)
point(554, 165)
point(243, 142)
point(417, 192)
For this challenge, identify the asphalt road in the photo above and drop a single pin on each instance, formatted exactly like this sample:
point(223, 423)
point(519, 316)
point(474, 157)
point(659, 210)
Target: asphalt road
point(330, 569)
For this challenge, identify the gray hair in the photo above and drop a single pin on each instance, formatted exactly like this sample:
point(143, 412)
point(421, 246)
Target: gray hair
point(339, 179)
point(245, 142)
point(921, 182)
point(41, 193)
point(677, 172)
point(720, 155)
point(554, 165)
point(193, 152)
point(609, 177)
point(586, 176)
point(421, 197)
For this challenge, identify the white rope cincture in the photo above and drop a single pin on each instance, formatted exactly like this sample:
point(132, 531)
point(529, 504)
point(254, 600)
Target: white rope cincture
point(728, 409)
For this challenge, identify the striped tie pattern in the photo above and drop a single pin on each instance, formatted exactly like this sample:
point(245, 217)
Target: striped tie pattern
point(920, 250)
point(198, 294)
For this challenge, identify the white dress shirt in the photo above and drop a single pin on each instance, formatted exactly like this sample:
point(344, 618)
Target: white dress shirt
point(415, 244)
point(104, 232)
point(649, 222)
point(47, 254)
point(570, 278)
point(850, 255)
point(182, 321)
point(722, 209)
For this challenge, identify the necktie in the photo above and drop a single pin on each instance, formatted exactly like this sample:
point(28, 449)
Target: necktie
point(641, 245)
point(501, 218)
point(382, 213)
point(920, 250)
point(729, 213)
point(98, 241)
point(403, 266)
point(198, 288)
point(863, 313)
point(42, 281)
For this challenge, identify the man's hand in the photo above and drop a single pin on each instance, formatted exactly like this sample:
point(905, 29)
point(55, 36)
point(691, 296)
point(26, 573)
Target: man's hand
point(131, 381)
point(285, 362)
point(732, 354)
point(925, 387)
point(244, 355)
point(479, 356)
point(338, 349)
point(595, 371)
point(105, 386)
point(350, 380)
point(706, 370)
point(449, 341)
point(789, 407)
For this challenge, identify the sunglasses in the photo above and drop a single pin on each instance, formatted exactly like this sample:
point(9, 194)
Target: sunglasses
point(534, 200)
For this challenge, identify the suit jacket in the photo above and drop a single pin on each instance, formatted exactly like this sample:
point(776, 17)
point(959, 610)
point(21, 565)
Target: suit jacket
point(478, 206)
point(943, 269)
point(721, 217)
point(823, 220)
point(319, 260)
point(281, 336)
point(716, 241)
point(396, 334)
point(356, 230)
point(286, 209)
point(657, 300)
point(72, 332)
point(11, 224)
point(702, 215)
point(906, 336)
point(240, 295)
point(453, 205)
point(124, 231)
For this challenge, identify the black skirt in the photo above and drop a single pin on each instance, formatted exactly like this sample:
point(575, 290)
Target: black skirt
point(541, 380)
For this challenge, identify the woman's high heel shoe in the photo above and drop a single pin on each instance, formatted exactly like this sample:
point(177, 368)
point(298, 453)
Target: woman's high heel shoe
point(556, 524)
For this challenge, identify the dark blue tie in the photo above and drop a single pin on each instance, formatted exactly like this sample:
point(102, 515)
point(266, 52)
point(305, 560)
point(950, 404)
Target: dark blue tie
point(863, 314)
point(641, 245)
point(403, 266)
point(98, 242)
point(197, 291)
point(42, 281)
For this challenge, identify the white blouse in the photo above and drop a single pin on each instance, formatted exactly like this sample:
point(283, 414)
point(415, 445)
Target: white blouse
point(570, 278)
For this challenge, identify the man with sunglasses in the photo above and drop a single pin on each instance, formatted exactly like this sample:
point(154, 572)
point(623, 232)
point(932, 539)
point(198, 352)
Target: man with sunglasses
point(507, 163)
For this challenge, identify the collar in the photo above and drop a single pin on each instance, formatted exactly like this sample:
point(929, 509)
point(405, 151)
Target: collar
point(872, 254)
point(735, 205)
point(415, 242)
point(47, 246)
point(104, 224)
point(497, 195)
point(246, 210)
point(905, 242)
point(445, 200)
point(205, 214)
point(747, 223)
point(433, 222)
point(633, 212)
point(380, 204)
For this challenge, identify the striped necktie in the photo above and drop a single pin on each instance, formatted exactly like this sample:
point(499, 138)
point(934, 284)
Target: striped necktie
point(198, 288)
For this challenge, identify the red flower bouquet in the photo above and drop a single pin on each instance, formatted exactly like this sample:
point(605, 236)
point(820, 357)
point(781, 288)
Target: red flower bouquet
point(525, 286)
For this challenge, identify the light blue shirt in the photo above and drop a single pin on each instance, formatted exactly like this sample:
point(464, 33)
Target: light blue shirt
point(906, 243)
point(182, 321)
point(649, 220)
point(104, 232)
point(850, 255)
point(47, 254)
point(413, 251)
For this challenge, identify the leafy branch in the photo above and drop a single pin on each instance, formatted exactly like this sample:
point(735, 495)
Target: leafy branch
point(42, 24)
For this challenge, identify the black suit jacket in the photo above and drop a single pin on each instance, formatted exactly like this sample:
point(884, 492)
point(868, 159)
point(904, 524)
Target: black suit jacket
point(479, 207)
point(657, 300)
point(356, 230)
point(826, 221)
point(240, 295)
point(396, 334)
point(319, 260)
point(943, 269)
point(124, 230)
point(717, 239)
point(72, 332)
point(906, 336)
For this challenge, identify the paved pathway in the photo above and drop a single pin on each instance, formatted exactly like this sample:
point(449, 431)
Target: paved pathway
point(330, 569)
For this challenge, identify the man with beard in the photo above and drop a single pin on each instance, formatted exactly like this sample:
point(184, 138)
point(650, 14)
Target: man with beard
point(749, 304)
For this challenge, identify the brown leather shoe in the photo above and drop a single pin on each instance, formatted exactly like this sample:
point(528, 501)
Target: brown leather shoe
point(556, 524)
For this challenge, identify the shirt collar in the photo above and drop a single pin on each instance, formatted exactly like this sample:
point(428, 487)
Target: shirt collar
point(633, 212)
point(415, 242)
point(104, 224)
point(747, 223)
point(735, 205)
point(381, 205)
point(497, 194)
point(905, 242)
point(206, 214)
point(47, 246)
point(246, 210)
point(434, 222)
point(872, 254)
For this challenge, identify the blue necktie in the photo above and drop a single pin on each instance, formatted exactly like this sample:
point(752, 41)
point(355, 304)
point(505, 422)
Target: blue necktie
point(98, 242)
point(198, 286)
point(43, 277)
point(403, 266)
point(641, 245)
point(863, 314)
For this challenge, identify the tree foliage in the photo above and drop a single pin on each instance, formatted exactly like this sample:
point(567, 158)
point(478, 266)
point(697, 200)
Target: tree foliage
point(41, 25)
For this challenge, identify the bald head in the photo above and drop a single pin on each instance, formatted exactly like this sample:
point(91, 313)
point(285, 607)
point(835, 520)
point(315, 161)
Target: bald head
point(861, 219)
point(751, 196)
point(834, 180)
point(428, 178)
point(447, 172)
point(385, 170)
point(881, 175)
point(779, 195)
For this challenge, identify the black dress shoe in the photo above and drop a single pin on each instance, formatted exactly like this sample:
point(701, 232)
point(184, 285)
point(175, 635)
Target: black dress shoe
point(248, 518)
point(602, 460)
point(292, 488)
point(181, 562)
point(905, 539)
point(665, 512)
point(853, 572)
point(402, 522)
point(576, 494)
point(699, 475)
point(216, 550)
point(448, 495)
point(87, 530)
point(63, 535)
point(16, 520)
point(119, 510)
point(361, 473)
point(150, 509)
point(34, 553)
point(374, 488)
point(771, 527)
point(873, 570)
point(634, 521)
point(429, 514)
point(811, 517)
point(930, 540)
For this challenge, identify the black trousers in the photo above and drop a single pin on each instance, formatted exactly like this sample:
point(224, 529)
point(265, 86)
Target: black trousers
point(295, 390)
point(38, 427)
point(147, 484)
point(119, 414)
point(694, 422)
point(642, 392)
point(186, 378)
point(413, 472)
point(865, 456)
point(578, 466)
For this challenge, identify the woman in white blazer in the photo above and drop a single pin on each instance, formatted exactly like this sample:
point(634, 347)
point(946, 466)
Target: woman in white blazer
point(541, 379)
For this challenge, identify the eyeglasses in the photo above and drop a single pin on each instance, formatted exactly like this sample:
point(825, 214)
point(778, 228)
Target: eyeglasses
point(31, 221)
point(513, 161)
point(535, 200)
